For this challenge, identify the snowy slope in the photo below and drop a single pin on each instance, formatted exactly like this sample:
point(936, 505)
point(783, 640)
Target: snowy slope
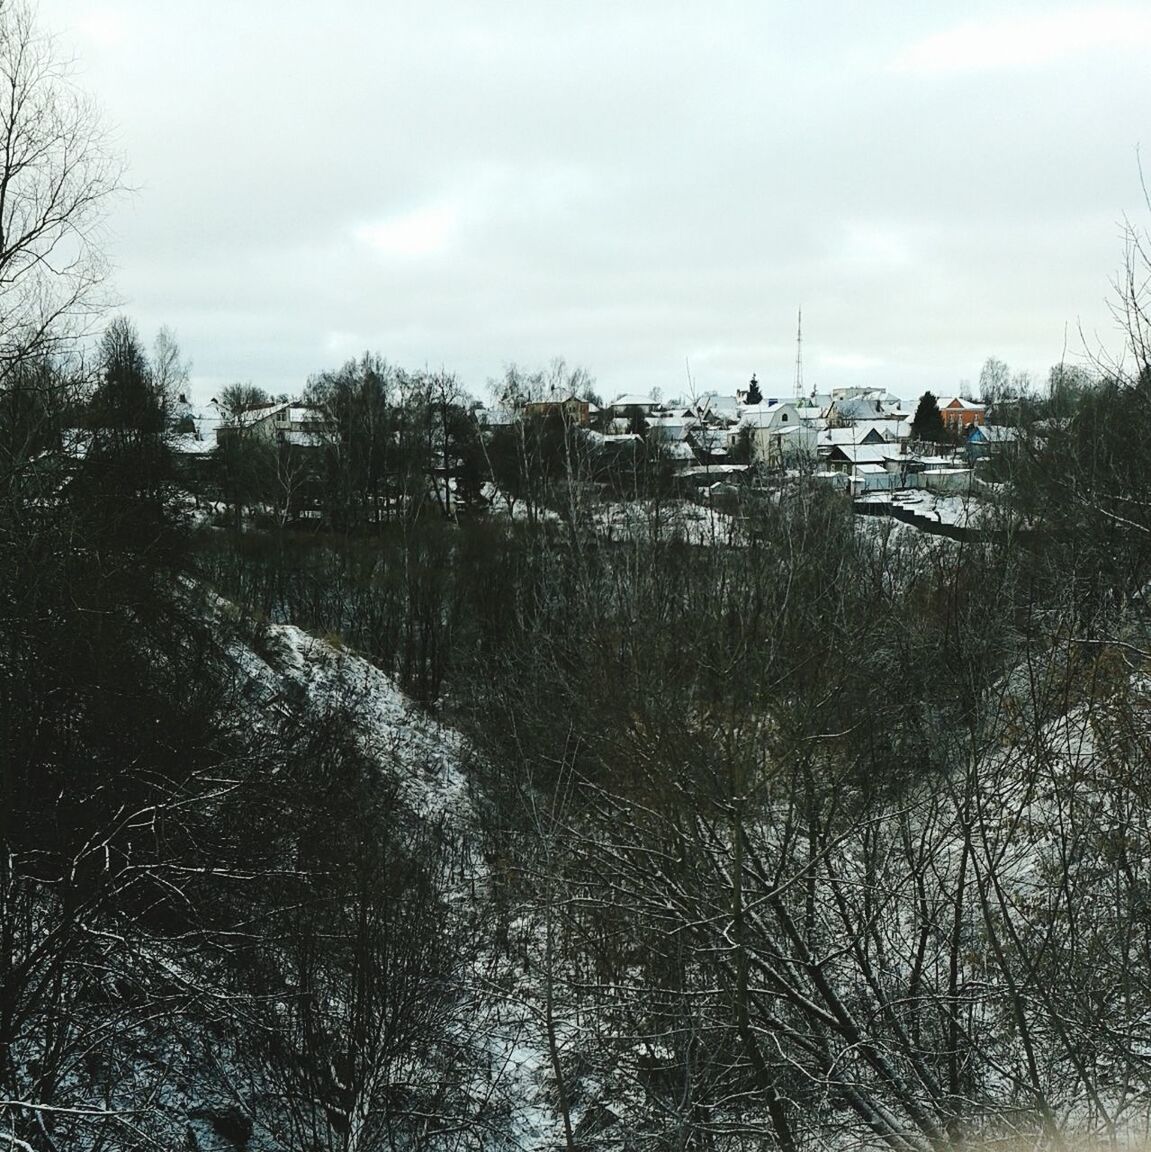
point(427, 759)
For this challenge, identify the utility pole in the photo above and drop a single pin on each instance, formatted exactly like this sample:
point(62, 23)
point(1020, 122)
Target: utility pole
point(799, 359)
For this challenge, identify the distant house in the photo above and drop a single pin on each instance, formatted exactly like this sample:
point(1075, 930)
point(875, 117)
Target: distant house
point(777, 433)
point(712, 408)
point(623, 404)
point(573, 409)
point(811, 415)
point(853, 434)
point(849, 457)
point(669, 429)
point(853, 408)
point(872, 478)
point(773, 415)
point(252, 423)
point(985, 440)
point(959, 414)
point(285, 423)
point(711, 444)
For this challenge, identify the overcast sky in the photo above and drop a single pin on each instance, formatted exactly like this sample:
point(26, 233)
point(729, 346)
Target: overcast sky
point(633, 185)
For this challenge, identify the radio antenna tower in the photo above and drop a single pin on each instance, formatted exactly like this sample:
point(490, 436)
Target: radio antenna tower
point(799, 358)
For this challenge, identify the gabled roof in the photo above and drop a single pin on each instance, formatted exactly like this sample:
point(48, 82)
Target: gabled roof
point(632, 400)
point(767, 415)
point(864, 453)
point(252, 416)
point(606, 438)
point(958, 403)
point(714, 402)
point(854, 434)
point(856, 407)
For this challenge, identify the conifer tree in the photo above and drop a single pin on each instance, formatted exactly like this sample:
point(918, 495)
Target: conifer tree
point(927, 424)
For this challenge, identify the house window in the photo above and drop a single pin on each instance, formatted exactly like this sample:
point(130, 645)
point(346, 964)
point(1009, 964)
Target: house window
point(783, 418)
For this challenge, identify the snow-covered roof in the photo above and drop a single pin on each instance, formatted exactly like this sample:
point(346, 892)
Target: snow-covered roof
point(857, 408)
point(594, 437)
point(852, 434)
point(958, 402)
point(994, 433)
point(866, 453)
point(632, 400)
point(767, 415)
point(252, 416)
point(716, 469)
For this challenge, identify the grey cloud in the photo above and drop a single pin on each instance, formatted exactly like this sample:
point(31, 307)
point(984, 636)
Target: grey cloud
point(625, 185)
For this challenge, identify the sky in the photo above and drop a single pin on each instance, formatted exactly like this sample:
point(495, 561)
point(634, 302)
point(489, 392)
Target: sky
point(650, 189)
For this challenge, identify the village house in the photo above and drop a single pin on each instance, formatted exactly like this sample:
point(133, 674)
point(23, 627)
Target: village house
point(573, 410)
point(286, 422)
point(986, 440)
point(848, 457)
point(958, 414)
point(627, 402)
point(866, 433)
point(778, 436)
point(669, 429)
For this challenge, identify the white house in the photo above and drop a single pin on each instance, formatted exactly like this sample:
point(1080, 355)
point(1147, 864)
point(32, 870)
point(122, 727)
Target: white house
point(778, 436)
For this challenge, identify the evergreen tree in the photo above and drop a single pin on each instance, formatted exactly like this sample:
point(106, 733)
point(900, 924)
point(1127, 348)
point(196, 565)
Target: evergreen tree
point(927, 424)
point(128, 466)
point(754, 395)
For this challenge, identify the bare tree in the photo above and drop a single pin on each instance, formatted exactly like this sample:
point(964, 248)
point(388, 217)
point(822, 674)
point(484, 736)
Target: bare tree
point(57, 175)
point(169, 368)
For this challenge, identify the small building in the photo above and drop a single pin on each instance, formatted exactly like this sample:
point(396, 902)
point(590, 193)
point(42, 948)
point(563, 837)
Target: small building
point(778, 436)
point(626, 402)
point(947, 481)
point(958, 414)
point(849, 457)
point(669, 429)
point(872, 478)
point(712, 408)
point(984, 440)
point(853, 434)
point(572, 410)
point(284, 423)
point(851, 409)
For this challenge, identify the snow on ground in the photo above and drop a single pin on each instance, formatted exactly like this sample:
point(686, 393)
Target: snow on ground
point(637, 519)
point(944, 508)
point(423, 755)
point(669, 520)
point(426, 758)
